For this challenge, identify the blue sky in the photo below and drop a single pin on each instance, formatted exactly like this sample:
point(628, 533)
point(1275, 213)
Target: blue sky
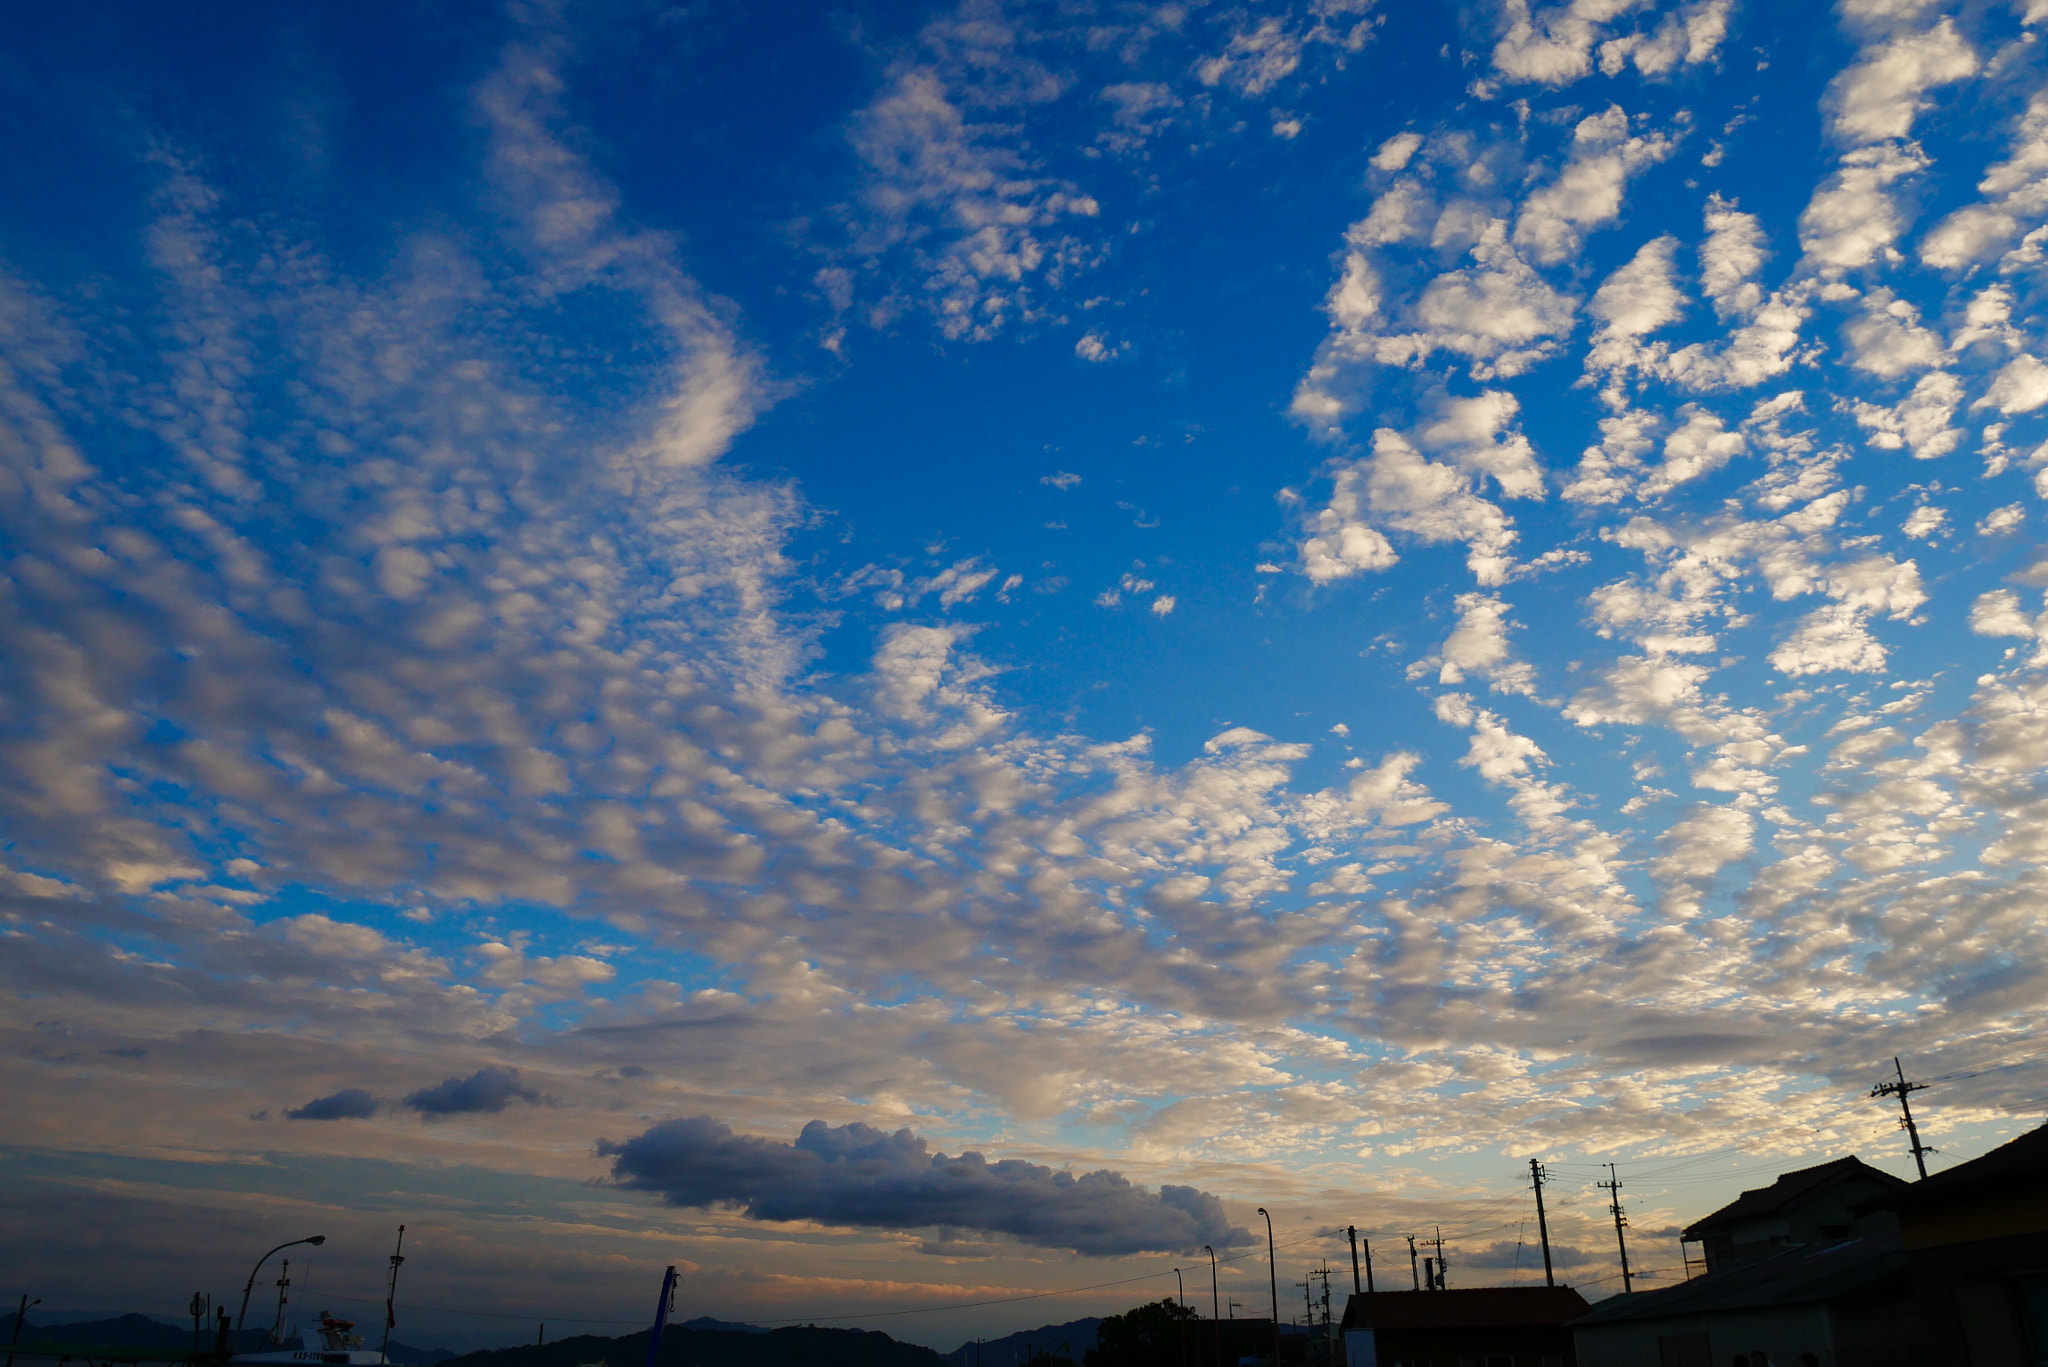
point(1302, 602)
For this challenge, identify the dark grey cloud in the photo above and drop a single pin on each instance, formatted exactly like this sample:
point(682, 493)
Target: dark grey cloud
point(487, 1090)
point(858, 1175)
point(350, 1103)
point(1530, 1255)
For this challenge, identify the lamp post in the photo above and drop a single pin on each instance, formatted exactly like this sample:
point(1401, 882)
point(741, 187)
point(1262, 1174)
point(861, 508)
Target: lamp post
point(315, 1240)
point(19, 1316)
point(1215, 1307)
point(1273, 1280)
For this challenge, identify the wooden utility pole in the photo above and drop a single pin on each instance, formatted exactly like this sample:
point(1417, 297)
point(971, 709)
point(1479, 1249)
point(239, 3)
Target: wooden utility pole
point(1902, 1089)
point(1613, 1189)
point(1536, 1176)
point(1352, 1232)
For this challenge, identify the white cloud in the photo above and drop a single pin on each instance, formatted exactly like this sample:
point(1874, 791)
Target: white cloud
point(1708, 839)
point(1853, 218)
point(1919, 421)
point(1637, 299)
point(1731, 256)
point(1479, 434)
point(1879, 97)
point(1478, 647)
point(1554, 44)
point(1835, 637)
point(1163, 604)
point(1925, 522)
point(1093, 347)
point(1999, 521)
point(1699, 446)
point(1588, 189)
point(2021, 387)
point(945, 199)
point(1687, 36)
point(2014, 197)
point(1395, 152)
point(1887, 340)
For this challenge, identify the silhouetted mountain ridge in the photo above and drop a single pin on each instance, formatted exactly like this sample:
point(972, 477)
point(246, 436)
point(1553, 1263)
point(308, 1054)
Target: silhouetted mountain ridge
point(1073, 1338)
point(750, 1346)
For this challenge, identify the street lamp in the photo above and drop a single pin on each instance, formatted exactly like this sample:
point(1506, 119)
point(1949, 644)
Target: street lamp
point(1273, 1278)
point(316, 1240)
point(19, 1316)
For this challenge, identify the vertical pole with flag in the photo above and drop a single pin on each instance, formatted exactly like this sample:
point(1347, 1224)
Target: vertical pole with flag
point(661, 1309)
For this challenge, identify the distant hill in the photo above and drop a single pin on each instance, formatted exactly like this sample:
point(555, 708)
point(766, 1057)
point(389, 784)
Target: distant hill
point(142, 1338)
point(744, 1347)
point(1075, 1337)
point(703, 1322)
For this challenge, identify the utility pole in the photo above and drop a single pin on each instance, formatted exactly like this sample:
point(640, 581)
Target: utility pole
point(1352, 1232)
point(1536, 1176)
point(284, 1291)
point(1368, 1265)
point(1613, 1189)
point(1902, 1089)
point(1413, 1275)
point(1439, 1241)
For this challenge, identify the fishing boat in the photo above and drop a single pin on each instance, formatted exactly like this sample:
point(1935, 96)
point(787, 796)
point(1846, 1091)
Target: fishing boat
point(340, 1346)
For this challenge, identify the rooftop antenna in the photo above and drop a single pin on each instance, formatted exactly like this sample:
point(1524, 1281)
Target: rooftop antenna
point(391, 1296)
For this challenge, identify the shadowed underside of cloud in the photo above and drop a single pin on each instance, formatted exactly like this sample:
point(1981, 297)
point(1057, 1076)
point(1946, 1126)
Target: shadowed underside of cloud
point(487, 1090)
point(858, 1175)
point(1526, 1255)
point(350, 1103)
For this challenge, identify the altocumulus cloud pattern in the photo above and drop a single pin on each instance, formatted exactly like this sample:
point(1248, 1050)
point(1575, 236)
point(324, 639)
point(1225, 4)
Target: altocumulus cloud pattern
point(857, 1175)
point(1286, 604)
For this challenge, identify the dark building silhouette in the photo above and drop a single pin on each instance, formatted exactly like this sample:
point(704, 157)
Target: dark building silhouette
point(1976, 1241)
point(1487, 1326)
point(1810, 1206)
point(1849, 1303)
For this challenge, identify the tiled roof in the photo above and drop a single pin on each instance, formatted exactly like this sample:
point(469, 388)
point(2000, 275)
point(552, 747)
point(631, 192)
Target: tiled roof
point(1800, 1275)
point(1789, 1188)
point(1479, 1307)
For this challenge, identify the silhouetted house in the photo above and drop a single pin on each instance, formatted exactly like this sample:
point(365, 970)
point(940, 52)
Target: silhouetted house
point(1487, 1326)
point(1849, 1303)
point(1976, 1241)
point(1820, 1205)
